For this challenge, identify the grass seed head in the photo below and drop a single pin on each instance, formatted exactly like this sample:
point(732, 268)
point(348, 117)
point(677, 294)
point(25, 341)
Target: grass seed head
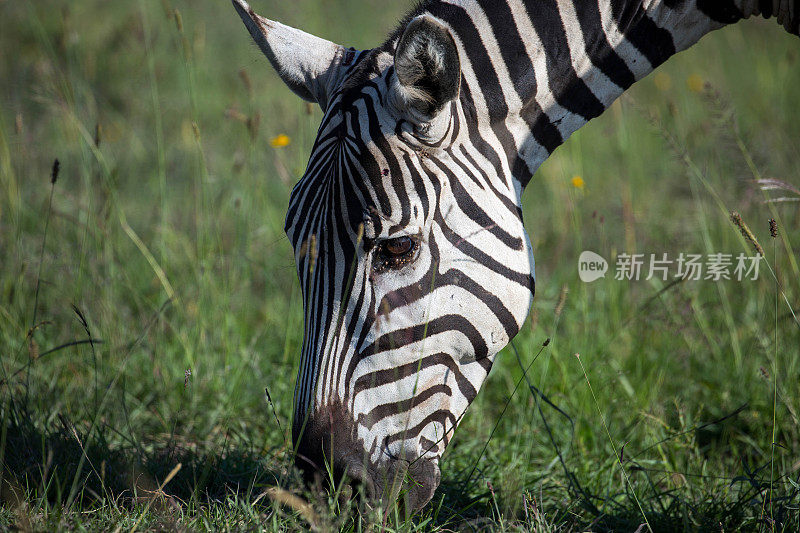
point(178, 20)
point(33, 349)
point(562, 299)
point(54, 172)
point(736, 218)
point(248, 85)
point(773, 228)
point(252, 125)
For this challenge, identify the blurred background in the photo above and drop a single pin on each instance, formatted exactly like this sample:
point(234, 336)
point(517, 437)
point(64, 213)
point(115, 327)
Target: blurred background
point(162, 241)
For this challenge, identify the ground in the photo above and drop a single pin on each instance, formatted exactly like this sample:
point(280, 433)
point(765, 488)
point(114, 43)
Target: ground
point(654, 402)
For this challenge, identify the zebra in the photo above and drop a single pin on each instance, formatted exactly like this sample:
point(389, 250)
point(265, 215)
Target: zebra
point(407, 230)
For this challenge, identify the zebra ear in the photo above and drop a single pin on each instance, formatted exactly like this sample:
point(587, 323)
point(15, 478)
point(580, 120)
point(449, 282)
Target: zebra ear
point(310, 66)
point(427, 69)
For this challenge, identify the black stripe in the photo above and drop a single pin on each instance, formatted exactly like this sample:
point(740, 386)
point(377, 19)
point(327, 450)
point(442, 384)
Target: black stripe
point(599, 50)
point(388, 409)
point(520, 69)
point(653, 42)
point(441, 416)
point(486, 182)
point(390, 375)
point(571, 91)
point(474, 212)
point(724, 11)
point(401, 337)
point(479, 255)
point(488, 82)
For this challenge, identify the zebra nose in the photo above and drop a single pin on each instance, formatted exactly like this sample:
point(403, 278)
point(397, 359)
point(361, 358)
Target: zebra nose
point(422, 480)
point(378, 484)
point(411, 484)
point(326, 441)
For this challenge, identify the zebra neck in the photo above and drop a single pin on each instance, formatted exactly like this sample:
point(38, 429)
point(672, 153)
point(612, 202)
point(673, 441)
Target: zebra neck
point(534, 71)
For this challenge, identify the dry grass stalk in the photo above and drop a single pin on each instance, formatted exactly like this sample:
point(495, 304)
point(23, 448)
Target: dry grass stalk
point(774, 184)
point(297, 504)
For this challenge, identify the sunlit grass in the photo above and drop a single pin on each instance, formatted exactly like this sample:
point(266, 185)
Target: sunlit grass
point(178, 149)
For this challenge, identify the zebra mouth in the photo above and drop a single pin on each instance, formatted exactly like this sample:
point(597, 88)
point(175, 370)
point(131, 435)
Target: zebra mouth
point(328, 439)
point(411, 484)
point(421, 480)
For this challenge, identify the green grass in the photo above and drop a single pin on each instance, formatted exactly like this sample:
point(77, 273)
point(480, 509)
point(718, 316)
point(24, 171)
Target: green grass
point(166, 237)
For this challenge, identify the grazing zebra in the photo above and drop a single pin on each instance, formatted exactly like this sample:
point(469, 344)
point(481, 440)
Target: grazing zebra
point(413, 260)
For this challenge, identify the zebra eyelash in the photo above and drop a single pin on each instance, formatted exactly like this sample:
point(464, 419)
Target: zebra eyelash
point(384, 260)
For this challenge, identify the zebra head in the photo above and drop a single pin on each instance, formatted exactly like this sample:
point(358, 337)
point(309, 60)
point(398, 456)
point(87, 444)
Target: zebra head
point(413, 260)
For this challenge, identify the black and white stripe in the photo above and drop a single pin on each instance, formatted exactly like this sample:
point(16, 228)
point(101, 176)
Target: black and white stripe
point(430, 139)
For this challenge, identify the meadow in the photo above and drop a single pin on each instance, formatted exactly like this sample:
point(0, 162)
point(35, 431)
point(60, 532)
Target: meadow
point(148, 296)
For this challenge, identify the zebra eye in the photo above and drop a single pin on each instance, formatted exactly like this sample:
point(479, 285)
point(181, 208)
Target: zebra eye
point(399, 246)
point(394, 253)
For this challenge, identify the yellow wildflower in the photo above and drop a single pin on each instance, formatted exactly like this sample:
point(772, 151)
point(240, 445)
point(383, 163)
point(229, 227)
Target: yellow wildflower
point(663, 81)
point(279, 141)
point(577, 182)
point(695, 83)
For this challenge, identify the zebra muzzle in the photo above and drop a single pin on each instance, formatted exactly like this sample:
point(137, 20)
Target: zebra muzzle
point(328, 441)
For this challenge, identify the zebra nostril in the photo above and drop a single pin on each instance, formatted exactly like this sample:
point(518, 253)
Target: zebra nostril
point(428, 446)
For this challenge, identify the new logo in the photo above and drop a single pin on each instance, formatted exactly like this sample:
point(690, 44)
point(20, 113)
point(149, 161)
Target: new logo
point(591, 266)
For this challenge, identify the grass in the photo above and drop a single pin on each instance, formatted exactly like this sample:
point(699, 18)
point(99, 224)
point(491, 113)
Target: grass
point(167, 298)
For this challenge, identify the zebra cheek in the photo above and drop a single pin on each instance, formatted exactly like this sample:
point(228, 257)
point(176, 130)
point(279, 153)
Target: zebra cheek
point(497, 340)
point(396, 299)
